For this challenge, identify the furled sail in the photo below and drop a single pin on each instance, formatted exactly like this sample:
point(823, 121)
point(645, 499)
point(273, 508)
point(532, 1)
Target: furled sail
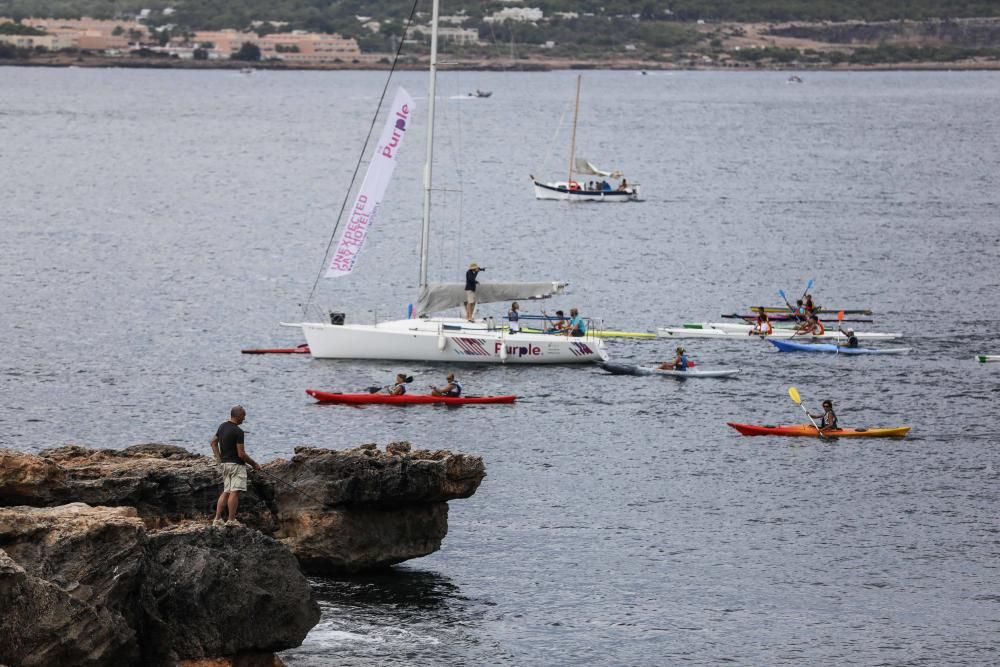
point(582, 166)
point(436, 297)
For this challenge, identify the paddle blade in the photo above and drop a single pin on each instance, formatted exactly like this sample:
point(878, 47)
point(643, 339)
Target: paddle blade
point(809, 285)
point(794, 393)
point(840, 316)
point(781, 293)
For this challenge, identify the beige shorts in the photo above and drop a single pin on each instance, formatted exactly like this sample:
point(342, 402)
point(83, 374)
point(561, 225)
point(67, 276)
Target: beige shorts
point(470, 296)
point(234, 477)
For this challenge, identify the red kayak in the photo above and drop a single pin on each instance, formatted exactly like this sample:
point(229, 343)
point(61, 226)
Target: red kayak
point(808, 430)
point(404, 399)
point(301, 349)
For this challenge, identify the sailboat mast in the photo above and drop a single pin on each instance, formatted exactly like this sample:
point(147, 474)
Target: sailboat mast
point(425, 229)
point(572, 145)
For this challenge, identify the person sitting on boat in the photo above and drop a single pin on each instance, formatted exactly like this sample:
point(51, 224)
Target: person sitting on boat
point(762, 327)
point(605, 186)
point(399, 388)
point(623, 186)
point(514, 318)
point(557, 326)
point(852, 339)
point(453, 388)
point(812, 326)
point(680, 362)
point(576, 327)
point(828, 420)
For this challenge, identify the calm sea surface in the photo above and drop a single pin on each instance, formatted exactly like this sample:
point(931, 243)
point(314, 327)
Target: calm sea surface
point(156, 222)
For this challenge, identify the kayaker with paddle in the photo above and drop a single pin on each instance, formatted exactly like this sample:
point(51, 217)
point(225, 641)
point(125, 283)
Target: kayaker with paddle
point(812, 327)
point(399, 388)
point(453, 388)
point(680, 362)
point(828, 419)
point(762, 327)
point(810, 309)
point(852, 340)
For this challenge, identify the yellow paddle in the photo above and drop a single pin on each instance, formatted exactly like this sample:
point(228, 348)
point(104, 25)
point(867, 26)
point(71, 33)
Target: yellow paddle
point(794, 393)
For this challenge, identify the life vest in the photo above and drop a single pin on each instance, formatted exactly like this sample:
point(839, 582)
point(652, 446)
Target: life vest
point(457, 391)
point(573, 185)
point(398, 385)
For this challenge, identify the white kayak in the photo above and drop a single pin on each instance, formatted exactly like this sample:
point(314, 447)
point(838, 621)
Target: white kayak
point(730, 330)
point(987, 358)
point(630, 369)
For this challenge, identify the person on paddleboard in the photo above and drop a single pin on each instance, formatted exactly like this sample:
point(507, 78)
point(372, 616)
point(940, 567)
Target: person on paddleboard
point(762, 327)
point(852, 340)
point(577, 327)
point(680, 362)
point(514, 318)
point(453, 388)
point(828, 419)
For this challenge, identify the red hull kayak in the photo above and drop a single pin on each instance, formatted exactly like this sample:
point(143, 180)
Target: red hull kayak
point(301, 349)
point(405, 399)
point(809, 431)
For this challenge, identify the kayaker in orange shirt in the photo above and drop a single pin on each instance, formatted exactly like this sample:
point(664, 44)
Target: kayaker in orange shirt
point(762, 327)
point(812, 327)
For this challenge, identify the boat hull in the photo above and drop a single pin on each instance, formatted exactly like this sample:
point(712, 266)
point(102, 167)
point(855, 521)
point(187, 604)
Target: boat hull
point(558, 192)
point(987, 358)
point(809, 431)
point(792, 346)
point(630, 369)
point(404, 399)
point(439, 341)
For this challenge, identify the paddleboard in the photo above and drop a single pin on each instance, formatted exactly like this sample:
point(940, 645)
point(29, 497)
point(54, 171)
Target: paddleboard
point(793, 346)
point(404, 399)
point(987, 358)
point(808, 430)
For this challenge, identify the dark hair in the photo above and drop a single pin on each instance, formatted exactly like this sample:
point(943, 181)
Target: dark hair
point(828, 403)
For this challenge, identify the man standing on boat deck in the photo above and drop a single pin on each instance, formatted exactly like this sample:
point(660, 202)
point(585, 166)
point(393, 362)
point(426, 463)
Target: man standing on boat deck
point(470, 289)
point(227, 445)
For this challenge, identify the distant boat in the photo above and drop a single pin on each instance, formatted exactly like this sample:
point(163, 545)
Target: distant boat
point(247, 70)
point(594, 190)
point(481, 93)
point(794, 79)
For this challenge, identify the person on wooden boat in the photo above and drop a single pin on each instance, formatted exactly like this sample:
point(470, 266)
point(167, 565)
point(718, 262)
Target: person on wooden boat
point(557, 326)
point(762, 327)
point(514, 318)
point(680, 362)
point(453, 388)
point(828, 419)
point(399, 388)
point(811, 327)
point(576, 327)
point(470, 289)
point(852, 340)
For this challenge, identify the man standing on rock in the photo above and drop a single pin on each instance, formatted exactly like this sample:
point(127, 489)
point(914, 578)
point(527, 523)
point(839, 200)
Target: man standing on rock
point(227, 445)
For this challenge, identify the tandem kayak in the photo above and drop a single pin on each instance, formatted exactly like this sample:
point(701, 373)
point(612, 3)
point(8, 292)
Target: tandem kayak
point(987, 358)
point(404, 399)
point(629, 369)
point(809, 431)
point(793, 346)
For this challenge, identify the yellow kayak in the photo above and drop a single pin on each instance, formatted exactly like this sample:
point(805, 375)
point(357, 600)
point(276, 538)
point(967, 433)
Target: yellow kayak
point(603, 333)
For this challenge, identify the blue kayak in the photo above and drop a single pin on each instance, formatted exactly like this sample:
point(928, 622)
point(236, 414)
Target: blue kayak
point(792, 346)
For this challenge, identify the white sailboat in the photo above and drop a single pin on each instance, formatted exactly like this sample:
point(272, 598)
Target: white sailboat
point(440, 339)
point(586, 189)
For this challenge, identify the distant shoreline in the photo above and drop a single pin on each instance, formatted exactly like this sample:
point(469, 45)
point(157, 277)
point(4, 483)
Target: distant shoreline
point(525, 65)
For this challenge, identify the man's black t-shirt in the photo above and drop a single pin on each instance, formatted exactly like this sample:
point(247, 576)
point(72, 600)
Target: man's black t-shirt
point(230, 435)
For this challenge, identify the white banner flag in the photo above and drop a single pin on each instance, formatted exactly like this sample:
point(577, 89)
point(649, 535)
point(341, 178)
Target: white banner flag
point(369, 201)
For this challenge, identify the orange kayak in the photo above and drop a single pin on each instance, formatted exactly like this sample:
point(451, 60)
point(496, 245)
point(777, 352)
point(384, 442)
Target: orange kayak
point(809, 431)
